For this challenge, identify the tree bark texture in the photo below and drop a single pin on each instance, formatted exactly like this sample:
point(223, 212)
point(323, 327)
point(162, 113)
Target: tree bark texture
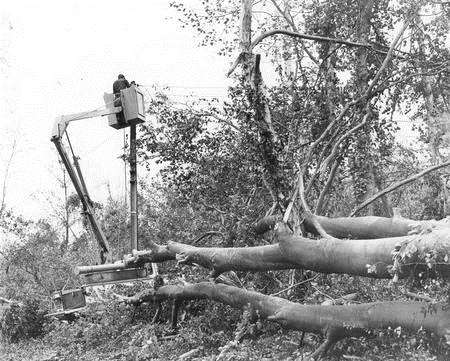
point(368, 227)
point(220, 260)
point(362, 162)
point(423, 252)
point(355, 228)
point(335, 322)
point(369, 257)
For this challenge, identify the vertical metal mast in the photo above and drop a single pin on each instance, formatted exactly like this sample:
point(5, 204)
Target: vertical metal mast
point(133, 188)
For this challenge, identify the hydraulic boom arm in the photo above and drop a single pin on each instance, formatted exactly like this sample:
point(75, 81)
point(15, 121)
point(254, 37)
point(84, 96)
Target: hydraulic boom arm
point(76, 176)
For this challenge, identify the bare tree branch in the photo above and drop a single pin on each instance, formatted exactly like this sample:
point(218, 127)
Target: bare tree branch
point(340, 140)
point(295, 285)
point(363, 97)
point(209, 234)
point(5, 179)
point(313, 37)
point(397, 185)
point(386, 60)
point(327, 186)
point(318, 38)
point(290, 21)
point(309, 214)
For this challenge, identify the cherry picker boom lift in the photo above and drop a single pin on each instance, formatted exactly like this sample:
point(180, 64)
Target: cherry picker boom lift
point(130, 113)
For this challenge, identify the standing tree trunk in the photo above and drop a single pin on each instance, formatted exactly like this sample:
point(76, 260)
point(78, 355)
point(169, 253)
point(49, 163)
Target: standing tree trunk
point(432, 116)
point(362, 163)
point(267, 143)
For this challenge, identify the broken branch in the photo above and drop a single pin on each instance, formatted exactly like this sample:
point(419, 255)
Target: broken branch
point(313, 37)
point(334, 321)
point(398, 185)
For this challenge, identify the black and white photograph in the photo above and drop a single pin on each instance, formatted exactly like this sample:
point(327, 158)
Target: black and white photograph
point(225, 180)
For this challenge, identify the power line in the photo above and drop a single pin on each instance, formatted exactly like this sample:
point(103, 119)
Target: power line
point(188, 86)
point(197, 87)
point(197, 95)
point(95, 147)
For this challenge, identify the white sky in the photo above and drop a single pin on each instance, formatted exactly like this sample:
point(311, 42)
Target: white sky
point(58, 57)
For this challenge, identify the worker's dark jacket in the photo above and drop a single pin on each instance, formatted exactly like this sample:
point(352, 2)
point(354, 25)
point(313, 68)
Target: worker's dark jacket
point(120, 84)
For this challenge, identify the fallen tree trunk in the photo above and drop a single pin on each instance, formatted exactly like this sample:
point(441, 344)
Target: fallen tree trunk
point(369, 227)
point(335, 322)
point(216, 259)
point(219, 260)
point(379, 258)
point(425, 252)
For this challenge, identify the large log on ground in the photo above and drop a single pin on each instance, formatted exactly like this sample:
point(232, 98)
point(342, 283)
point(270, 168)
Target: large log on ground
point(335, 322)
point(369, 227)
point(216, 259)
point(371, 257)
point(219, 260)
